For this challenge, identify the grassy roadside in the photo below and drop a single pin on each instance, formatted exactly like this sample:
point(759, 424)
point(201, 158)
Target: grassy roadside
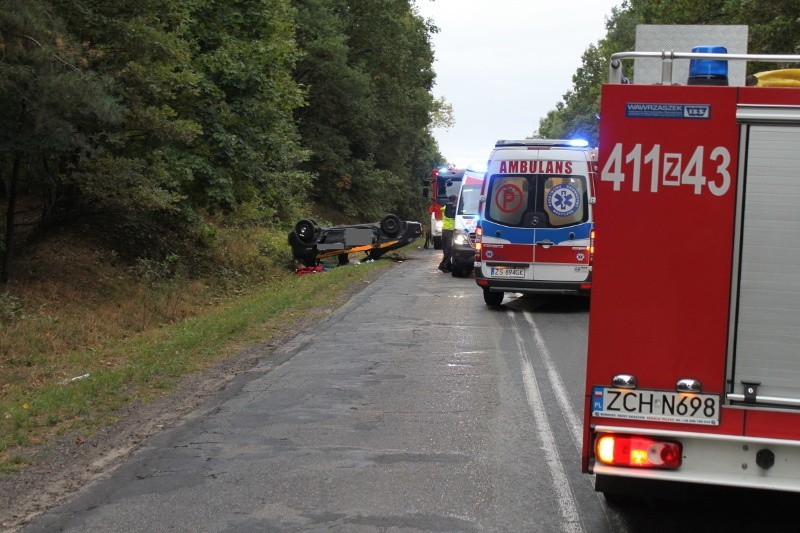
point(45, 392)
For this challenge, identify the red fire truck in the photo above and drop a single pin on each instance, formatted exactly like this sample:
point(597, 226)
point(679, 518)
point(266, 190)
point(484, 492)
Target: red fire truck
point(444, 181)
point(693, 370)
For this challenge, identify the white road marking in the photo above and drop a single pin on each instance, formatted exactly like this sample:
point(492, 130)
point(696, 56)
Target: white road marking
point(573, 423)
point(570, 519)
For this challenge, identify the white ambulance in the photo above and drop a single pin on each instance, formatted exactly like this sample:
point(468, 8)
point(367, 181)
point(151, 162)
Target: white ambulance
point(463, 258)
point(536, 226)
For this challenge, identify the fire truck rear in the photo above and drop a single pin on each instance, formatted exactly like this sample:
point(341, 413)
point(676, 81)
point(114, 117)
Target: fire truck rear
point(693, 371)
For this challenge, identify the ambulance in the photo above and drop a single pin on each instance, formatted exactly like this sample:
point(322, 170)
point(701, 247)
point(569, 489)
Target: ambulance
point(693, 362)
point(537, 219)
point(463, 257)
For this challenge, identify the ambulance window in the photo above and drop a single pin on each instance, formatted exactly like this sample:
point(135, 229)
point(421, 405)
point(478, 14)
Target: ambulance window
point(468, 203)
point(564, 200)
point(508, 199)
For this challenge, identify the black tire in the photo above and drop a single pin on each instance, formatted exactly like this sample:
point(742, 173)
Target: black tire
point(437, 243)
point(458, 272)
point(306, 231)
point(390, 225)
point(493, 299)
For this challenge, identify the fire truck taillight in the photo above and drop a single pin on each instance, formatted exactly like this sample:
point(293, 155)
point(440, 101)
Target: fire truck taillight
point(639, 452)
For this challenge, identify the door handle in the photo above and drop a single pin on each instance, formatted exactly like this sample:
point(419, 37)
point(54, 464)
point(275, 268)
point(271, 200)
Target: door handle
point(544, 243)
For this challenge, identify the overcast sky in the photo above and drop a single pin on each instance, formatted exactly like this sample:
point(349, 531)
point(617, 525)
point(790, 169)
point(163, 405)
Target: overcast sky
point(503, 64)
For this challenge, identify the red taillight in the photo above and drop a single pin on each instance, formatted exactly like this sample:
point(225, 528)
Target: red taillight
point(639, 452)
point(591, 245)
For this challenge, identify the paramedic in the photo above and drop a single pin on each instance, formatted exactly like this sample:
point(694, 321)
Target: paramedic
point(448, 225)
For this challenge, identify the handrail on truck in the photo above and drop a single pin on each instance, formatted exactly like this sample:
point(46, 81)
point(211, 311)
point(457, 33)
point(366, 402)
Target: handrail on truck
point(667, 56)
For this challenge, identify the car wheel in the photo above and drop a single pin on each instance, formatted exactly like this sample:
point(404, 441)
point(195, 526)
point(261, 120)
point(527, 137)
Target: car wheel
point(306, 231)
point(493, 299)
point(458, 271)
point(390, 225)
point(437, 243)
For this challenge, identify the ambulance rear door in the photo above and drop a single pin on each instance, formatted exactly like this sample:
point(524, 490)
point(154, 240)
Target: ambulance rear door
point(538, 208)
point(561, 251)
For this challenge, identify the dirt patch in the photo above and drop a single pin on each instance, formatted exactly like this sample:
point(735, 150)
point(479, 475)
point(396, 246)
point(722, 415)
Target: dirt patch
point(66, 464)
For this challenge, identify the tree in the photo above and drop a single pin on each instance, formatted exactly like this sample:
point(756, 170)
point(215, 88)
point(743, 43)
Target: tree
point(368, 72)
point(577, 114)
point(52, 105)
point(774, 28)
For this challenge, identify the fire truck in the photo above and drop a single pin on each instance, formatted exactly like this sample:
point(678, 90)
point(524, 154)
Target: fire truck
point(693, 364)
point(444, 181)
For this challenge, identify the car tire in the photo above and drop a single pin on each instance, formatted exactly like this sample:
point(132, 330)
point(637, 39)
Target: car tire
point(307, 231)
point(493, 299)
point(458, 271)
point(390, 225)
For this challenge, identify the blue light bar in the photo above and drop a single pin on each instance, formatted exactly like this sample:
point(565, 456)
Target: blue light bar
point(478, 166)
point(578, 142)
point(708, 71)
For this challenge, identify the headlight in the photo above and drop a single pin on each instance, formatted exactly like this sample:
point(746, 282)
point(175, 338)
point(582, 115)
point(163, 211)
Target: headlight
point(460, 237)
point(439, 224)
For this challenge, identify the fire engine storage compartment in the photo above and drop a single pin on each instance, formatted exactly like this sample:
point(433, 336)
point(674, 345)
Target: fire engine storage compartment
point(764, 344)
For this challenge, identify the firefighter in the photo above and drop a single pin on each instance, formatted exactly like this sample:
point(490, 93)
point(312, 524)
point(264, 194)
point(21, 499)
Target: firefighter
point(448, 225)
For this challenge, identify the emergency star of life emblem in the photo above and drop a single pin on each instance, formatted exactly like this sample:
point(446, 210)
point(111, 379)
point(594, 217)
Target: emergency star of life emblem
point(563, 200)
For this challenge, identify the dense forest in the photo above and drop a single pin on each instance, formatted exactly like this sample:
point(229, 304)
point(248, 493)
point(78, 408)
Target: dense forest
point(181, 110)
point(147, 119)
point(774, 28)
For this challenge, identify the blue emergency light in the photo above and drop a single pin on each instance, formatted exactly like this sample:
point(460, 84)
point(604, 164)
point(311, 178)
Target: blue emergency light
point(708, 71)
point(578, 142)
point(478, 166)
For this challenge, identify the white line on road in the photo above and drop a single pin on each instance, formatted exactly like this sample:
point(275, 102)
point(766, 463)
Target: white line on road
point(573, 423)
point(566, 501)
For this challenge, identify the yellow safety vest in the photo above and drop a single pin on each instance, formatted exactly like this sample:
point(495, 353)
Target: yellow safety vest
point(447, 222)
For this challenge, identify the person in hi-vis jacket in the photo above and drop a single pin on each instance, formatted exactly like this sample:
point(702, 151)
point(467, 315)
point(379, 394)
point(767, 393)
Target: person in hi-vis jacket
point(448, 225)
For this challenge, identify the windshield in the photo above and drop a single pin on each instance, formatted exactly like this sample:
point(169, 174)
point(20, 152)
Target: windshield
point(468, 203)
point(448, 183)
point(536, 200)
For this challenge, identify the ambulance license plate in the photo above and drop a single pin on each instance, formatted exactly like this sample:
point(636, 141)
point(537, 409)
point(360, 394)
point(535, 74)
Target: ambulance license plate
point(507, 272)
point(656, 405)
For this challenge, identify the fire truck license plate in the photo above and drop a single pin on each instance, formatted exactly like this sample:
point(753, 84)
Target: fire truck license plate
point(656, 405)
point(506, 272)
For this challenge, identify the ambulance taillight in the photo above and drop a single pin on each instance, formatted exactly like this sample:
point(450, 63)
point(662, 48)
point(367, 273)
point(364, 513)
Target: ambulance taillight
point(638, 452)
point(591, 246)
point(478, 242)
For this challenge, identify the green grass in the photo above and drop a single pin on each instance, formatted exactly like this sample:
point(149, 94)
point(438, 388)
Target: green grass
point(152, 363)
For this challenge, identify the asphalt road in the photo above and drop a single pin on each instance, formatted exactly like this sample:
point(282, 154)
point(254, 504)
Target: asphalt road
point(412, 408)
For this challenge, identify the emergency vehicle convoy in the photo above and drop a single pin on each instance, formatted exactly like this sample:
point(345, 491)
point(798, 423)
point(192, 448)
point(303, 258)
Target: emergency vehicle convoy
point(444, 182)
point(693, 369)
point(536, 225)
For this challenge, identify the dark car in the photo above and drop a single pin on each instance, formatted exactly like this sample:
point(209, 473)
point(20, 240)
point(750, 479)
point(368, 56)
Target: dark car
point(310, 243)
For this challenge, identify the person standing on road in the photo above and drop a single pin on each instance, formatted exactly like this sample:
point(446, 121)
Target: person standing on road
point(448, 225)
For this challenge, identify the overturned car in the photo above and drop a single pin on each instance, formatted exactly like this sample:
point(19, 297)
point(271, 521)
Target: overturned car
point(310, 243)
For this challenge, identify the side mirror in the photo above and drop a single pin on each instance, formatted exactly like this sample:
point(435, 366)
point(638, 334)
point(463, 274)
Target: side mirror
point(425, 192)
